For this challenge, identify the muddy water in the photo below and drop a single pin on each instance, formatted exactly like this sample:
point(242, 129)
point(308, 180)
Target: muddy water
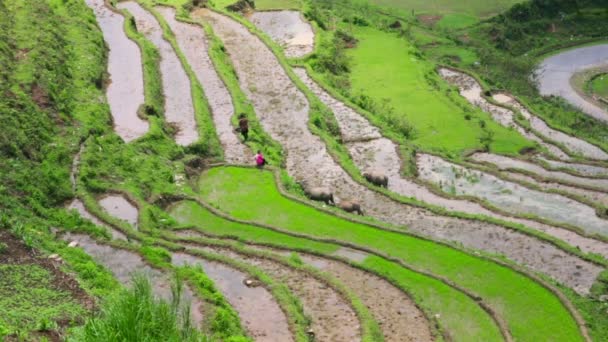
point(193, 42)
point(554, 74)
point(471, 90)
point(283, 112)
point(119, 207)
point(125, 92)
point(593, 196)
point(332, 318)
point(124, 264)
point(179, 110)
point(583, 169)
point(288, 29)
point(504, 163)
point(77, 205)
point(572, 143)
point(259, 312)
point(509, 196)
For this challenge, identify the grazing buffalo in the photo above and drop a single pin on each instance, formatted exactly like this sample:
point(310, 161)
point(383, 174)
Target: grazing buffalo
point(376, 177)
point(350, 207)
point(320, 194)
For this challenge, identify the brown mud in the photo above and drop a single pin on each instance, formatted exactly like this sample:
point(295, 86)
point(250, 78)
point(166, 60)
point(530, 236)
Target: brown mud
point(119, 207)
point(332, 318)
point(125, 264)
point(289, 29)
point(194, 44)
point(179, 110)
point(125, 92)
point(260, 314)
point(283, 113)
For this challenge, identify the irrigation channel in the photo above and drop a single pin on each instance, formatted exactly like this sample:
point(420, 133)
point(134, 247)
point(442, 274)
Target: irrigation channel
point(283, 112)
point(554, 76)
point(179, 109)
point(125, 90)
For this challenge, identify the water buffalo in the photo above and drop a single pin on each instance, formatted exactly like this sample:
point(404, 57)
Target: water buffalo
point(376, 177)
point(320, 194)
point(350, 207)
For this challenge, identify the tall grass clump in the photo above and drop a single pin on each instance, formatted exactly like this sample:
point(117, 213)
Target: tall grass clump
point(135, 314)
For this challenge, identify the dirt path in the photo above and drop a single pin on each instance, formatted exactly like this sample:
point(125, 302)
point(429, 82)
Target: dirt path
point(399, 318)
point(179, 110)
point(193, 42)
point(572, 143)
point(505, 163)
point(332, 317)
point(471, 90)
point(260, 314)
point(119, 207)
point(125, 92)
point(283, 112)
point(124, 264)
point(289, 29)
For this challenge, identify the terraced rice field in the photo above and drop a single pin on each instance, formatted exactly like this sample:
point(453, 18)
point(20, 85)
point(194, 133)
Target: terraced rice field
point(465, 242)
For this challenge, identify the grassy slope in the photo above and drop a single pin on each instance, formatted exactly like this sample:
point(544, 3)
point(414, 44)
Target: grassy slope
point(537, 315)
point(478, 8)
point(599, 86)
point(459, 315)
point(401, 77)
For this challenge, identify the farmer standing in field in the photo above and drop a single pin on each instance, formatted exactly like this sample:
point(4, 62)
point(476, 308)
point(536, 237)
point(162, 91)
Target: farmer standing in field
point(244, 125)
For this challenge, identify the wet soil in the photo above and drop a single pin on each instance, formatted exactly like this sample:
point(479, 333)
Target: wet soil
point(471, 90)
point(125, 264)
point(332, 318)
point(572, 143)
point(583, 169)
point(504, 163)
point(554, 73)
point(16, 253)
point(259, 312)
point(283, 112)
point(194, 44)
point(509, 196)
point(289, 29)
point(594, 196)
point(77, 205)
point(179, 110)
point(119, 207)
point(125, 92)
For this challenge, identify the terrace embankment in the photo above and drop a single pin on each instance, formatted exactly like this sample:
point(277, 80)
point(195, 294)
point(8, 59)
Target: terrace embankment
point(283, 112)
point(511, 197)
point(574, 144)
point(193, 42)
point(119, 207)
point(582, 169)
point(259, 312)
point(332, 317)
point(555, 72)
point(287, 28)
point(471, 90)
point(179, 110)
point(125, 264)
point(125, 89)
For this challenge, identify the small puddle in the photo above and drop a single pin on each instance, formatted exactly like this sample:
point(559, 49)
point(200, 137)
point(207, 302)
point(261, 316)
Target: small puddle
point(119, 207)
point(511, 197)
point(77, 205)
point(583, 169)
point(124, 264)
point(259, 312)
point(289, 29)
point(471, 90)
point(572, 143)
point(504, 163)
point(179, 110)
point(125, 92)
point(351, 254)
point(193, 42)
point(554, 73)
